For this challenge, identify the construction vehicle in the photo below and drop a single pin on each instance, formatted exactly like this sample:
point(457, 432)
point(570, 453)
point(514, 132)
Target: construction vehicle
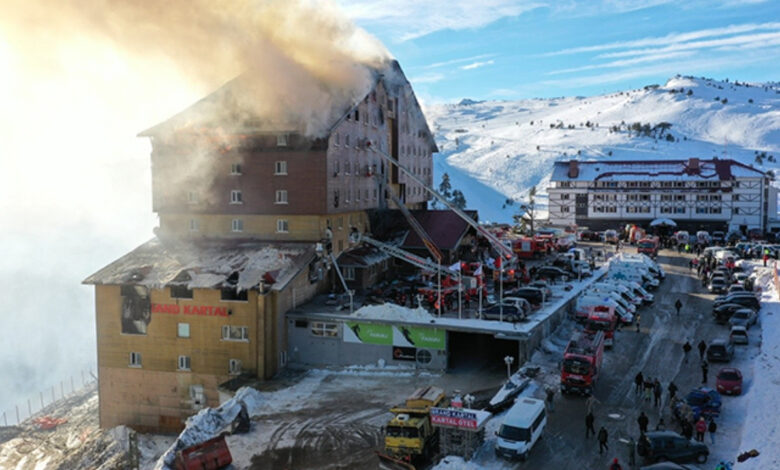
point(409, 435)
point(602, 318)
point(582, 362)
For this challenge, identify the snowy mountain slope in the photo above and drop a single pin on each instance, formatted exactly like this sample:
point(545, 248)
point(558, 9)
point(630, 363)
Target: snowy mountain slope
point(509, 146)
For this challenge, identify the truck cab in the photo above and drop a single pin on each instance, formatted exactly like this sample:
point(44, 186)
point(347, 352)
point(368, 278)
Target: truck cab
point(582, 362)
point(602, 318)
point(410, 434)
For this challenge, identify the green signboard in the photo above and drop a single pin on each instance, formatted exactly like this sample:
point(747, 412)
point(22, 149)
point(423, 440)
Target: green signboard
point(368, 333)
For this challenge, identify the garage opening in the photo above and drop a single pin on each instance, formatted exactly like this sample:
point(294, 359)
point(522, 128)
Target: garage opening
point(470, 352)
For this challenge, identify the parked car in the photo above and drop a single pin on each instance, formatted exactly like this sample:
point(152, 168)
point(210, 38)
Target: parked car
point(670, 446)
point(533, 295)
point(729, 381)
point(717, 285)
point(745, 317)
point(544, 286)
point(736, 288)
point(718, 237)
point(738, 334)
point(747, 299)
point(551, 272)
point(512, 309)
point(720, 350)
point(666, 466)
point(704, 401)
point(723, 313)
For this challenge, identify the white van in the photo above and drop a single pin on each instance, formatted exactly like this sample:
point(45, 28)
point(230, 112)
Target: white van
point(591, 299)
point(615, 295)
point(522, 427)
point(627, 294)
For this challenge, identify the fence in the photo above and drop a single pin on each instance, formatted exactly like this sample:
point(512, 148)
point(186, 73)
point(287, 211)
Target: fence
point(56, 393)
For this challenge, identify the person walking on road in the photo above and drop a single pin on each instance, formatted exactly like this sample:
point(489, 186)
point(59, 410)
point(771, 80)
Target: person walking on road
point(686, 349)
point(637, 320)
point(591, 402)
point(638, 382)
point(701, 428)
point(631, 458)
point(702, 349)
point(550, 397)
point(678, 306)
point(672, 391)
point(704, 370)
point(643, 421)
point(712, 428)
point(657, 390)
point(687, 429)
point(615, 464)
point(648, 386)
point(589, 429)
point(603, 436)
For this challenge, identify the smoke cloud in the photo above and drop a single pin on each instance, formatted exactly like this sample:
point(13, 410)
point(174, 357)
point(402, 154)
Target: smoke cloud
point(78, 80)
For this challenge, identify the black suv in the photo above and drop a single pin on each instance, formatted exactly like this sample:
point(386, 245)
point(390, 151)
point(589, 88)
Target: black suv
point(533, 295)
point(746, 299)
point(551, 272)
point(670, 446)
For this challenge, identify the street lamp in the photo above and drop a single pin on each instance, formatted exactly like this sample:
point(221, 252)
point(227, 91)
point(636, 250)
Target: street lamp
point(508, 360)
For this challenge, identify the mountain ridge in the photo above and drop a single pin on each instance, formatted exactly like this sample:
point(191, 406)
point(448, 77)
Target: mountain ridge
point(495, 151)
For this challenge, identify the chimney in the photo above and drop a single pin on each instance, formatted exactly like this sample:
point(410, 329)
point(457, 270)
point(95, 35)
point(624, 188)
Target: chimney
point(693, 165)
point(574, 170)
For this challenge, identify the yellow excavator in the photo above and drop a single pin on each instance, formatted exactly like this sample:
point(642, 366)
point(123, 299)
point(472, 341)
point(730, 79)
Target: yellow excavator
point(409, 435)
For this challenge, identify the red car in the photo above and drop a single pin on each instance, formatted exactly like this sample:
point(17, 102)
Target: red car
point(729, 381)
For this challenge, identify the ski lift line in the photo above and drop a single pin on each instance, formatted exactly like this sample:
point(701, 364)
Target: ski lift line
point(426, 239)
point(503, 249)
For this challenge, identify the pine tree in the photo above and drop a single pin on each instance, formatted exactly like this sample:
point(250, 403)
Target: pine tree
point(458, 199)
point(527, 213)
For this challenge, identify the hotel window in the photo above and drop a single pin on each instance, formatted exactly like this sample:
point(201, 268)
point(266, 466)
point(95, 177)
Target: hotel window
point(337, 140)
point(237, 225)
point(565, 209)
point(281, 196)
point(679, 184)
point(679, 198)
point(565, 196)
point(235, 197)
point(194, 225)
point(336, 168)
point(282, 226)
point(184, 362)
point(349, 194)
point(235, 333)
point(183, 330)
point(349, 274)
point(192, 197)
point(666, 197)
point(736, 211)
point(666, 184)
point(326, 329)
point(679, 210)
point(234, 366)
point(281, 140)
point(346, 139)
point(280, 167)
point(340, 223)
point(666, 210)
point(347, 167)
point(181, 292)
point(235, 169)
point(135, 359)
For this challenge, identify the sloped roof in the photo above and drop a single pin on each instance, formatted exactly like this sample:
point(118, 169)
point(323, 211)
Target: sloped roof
point(658, 170)
point(243, 264)
point(445, 228)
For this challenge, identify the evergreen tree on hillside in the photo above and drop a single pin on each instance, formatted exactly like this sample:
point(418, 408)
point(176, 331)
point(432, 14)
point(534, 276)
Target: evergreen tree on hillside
point(527, 213)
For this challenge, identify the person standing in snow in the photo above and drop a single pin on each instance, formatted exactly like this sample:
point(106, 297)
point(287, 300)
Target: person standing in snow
point(712, 428)
point(631, 457)
point(638, 320)
point(686, 349)
point(589, 429)
point(615, 464)
point(678, 306)
point(550, 398)
point(602, 437)
point(639, 380)
point(702, 349)
point(704, 370)
point(648, 386)
point(643, 421)
point(590, 402)
point(701, 428)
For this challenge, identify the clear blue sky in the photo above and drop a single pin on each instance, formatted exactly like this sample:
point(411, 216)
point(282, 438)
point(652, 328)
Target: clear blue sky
point(501, 49)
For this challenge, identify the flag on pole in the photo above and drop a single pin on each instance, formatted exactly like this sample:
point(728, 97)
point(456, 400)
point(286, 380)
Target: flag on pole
point(455, 267)
point(478, 271)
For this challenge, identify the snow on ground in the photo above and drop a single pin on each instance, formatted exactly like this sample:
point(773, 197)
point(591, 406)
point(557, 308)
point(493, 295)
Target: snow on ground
point(494, 150)
point(761, 427)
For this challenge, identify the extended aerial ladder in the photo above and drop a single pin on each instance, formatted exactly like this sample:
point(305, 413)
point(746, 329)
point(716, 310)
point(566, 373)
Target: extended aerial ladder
point(502, 249)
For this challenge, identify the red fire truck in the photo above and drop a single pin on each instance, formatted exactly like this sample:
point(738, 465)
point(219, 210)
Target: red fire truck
point(648, 246)
point(602, 318)
point(582, 362)
point(529, 247)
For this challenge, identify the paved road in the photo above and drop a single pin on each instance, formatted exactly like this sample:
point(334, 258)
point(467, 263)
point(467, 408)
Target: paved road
point(656, 351)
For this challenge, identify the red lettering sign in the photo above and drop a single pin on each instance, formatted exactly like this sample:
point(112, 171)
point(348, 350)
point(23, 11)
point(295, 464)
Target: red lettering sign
point(202, 310)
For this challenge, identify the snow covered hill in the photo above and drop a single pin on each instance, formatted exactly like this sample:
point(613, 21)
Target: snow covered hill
point(498, 150)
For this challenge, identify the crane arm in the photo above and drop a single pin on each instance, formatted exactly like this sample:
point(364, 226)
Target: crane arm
point(404, 255)
point(503, 249)
point(338, 271)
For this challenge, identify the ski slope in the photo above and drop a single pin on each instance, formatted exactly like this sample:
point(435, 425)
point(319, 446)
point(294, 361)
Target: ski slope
point(495, 150)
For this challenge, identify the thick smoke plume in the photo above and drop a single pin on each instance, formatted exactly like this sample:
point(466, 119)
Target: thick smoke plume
point(300, 60)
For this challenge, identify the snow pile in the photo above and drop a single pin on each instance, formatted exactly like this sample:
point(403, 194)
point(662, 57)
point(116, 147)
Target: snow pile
point(210, 422)
point(394, 312)
point(761, 430)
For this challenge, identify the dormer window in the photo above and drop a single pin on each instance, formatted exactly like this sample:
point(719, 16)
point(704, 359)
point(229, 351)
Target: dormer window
point(281, 140)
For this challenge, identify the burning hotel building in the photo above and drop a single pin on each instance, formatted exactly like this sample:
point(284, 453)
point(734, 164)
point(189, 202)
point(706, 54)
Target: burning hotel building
point(244, 196)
